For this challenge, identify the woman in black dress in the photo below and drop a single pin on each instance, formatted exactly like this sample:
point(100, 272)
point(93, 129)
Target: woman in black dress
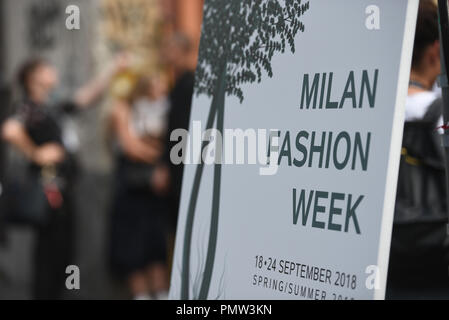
point(36, 132)
point(138, 248)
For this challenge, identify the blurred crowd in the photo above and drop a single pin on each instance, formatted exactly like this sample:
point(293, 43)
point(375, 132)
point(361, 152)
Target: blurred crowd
point(146, 188)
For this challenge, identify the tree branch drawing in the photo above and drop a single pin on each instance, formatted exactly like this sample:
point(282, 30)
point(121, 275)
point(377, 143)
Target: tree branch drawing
point(238, 42)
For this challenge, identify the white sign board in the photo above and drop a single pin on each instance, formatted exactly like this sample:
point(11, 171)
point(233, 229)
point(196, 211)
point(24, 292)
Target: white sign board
point(320, 86)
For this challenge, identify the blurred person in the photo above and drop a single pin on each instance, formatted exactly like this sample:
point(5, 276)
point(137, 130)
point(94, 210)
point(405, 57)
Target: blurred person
point(177, 54)
point(44, 198)
point(4, 106)
point(138, 243)
point(418, 258)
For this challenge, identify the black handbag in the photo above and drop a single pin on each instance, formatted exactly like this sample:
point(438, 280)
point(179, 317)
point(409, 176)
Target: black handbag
point(421, 191)
point(26, 202)
point(135, 175)
point(419, 248)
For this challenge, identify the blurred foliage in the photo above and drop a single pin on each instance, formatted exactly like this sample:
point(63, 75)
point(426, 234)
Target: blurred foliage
point(134, 26)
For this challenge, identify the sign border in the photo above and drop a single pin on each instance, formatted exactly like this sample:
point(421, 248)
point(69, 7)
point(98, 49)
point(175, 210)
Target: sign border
point(395, 148)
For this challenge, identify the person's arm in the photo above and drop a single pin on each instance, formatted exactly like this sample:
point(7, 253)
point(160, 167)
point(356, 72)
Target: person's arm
point(14, 133)
point(91, 91)
point(134, 147)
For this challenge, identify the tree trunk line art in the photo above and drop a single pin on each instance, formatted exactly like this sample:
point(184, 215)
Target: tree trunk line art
point(217, 106)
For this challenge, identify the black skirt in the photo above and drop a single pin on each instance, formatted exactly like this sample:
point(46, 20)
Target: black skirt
point(138, 232)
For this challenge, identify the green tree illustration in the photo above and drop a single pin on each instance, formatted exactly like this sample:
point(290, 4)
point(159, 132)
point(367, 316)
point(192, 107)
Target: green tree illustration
point(238, 42)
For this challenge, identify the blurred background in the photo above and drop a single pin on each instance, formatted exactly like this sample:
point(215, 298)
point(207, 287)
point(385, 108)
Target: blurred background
point(36, 28)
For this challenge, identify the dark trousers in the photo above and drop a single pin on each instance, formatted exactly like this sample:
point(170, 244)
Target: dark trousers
point(2, 220)
point(52, 255)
